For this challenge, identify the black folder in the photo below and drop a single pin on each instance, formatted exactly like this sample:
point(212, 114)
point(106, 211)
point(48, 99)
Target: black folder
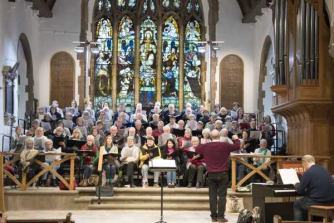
point(178, 132)
point(77, 143)
point(191, 154)
point(87, 152)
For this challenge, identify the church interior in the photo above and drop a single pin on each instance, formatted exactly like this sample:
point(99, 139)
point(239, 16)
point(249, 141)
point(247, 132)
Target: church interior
point(114, 75)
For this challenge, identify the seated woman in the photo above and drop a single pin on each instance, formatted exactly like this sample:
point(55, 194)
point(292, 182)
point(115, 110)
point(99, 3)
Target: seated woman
point(59, 139)
point(241, 168)
point(99, 141)
point(224, 136)
point(110, 163)
point(258, 161)
point(67, 132)
point(80, 125)
point(55, 115)
point(28, 155)
point(222, 114)
point(195, 164)
point(206, 136)
point(268, 131)
point(235, 128)
point(145, 155)
point(129, 158)
point(49, 160)
point(76, 111)
point(171, 153)
point(89, 161)
point(191, 123)
point(39, 139)
point(184, 144)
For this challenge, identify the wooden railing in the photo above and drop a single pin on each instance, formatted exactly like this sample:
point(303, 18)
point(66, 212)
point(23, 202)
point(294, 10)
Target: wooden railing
point(2, 194)
point(277, 160)
point(24, 184)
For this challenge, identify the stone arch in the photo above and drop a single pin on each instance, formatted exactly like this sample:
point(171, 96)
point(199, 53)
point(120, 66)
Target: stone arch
point(231, 81)
point(263, 72)
point(23, 39)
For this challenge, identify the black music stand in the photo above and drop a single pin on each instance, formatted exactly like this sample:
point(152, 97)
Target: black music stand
point(161, 168)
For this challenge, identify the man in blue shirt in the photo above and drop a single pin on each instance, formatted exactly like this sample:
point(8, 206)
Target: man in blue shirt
point(316, 186)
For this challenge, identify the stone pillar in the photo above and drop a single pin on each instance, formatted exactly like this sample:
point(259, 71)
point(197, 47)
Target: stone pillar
point(137, 65)
point(159, 65)
point(81, 56)
point(114, 68)
point(181, 62)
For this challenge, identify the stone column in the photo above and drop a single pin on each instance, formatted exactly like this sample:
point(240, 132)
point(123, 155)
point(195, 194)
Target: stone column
point(181, 73)
point(114, 68)
point(159, 66)
point(137, 65)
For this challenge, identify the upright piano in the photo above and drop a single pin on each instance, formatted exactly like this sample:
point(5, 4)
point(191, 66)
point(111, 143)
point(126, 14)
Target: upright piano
point(284, 208)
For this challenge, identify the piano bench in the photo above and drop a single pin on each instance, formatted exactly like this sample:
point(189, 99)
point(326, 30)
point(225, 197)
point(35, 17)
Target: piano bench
point(327, 212)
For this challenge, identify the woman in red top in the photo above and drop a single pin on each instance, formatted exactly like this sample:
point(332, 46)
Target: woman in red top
point(89, 162)
point(268, 131)
point(195, 164)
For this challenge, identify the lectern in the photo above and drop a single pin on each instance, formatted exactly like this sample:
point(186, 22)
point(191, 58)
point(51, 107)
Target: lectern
point(162, 166)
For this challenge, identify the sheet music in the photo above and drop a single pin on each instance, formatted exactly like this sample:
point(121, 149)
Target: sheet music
point(68, 124)
point(52, 158)
point(289, 176)
point(186, 144)
point(255, 135)
point(46, 126)
point(161, 163)
point(21, 140)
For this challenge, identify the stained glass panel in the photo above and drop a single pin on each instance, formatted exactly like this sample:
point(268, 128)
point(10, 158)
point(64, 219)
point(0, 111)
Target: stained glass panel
point(165, 3)
point(121, 3)
point(189, 6)
point(192, 65)
point(99, 7)
point(125, 57)
point(147, 4)
point(132, 3)
point(177, 3)
point(108, 5)
point(170, 59)
point(197, 6)
point(103, 62)
point(148, 67)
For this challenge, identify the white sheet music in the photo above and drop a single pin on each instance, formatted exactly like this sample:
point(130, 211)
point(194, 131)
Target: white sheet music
point(160, 163)
point(289, 176)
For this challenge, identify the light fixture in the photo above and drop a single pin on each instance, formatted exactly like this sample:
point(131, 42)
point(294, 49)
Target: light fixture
point(201, 49)
point(95, 50)
point(216, 48)
point(79, 49)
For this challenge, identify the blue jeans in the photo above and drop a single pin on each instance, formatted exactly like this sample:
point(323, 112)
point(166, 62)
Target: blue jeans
point(300, 212)
point(110, 170)
point(171, 177)
point(55, 168)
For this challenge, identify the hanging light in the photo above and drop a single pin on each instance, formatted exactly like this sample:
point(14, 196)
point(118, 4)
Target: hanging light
point(201, 49)
point(95, 50)
point(79, 49)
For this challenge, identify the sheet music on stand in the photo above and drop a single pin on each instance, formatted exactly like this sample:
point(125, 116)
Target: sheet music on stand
point(161, 164)
point(289, 176)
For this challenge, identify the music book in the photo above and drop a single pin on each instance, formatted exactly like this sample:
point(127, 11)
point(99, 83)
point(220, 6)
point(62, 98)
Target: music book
point(46, 126)
point(77, 143)
point(244, 125)
point(186, 144)
point(83, 130)
point(154, 152)
point(191, 154)
point(57, 140)
point(228, 125)
point(165, 137)
point(162, 164)
point(178, 132)
point(174, 154)
point(121, 132)
point(289, 176)
point(105, 156)
point(107, 125)
point(53, 157)
point(252, 142)
point(21, 140)
point(255, 135)
point(197, 133)
point(73, 111)
point(38, 143)
point(87, 152)
point(119, 141)
point(88, 122)
point(68, 124)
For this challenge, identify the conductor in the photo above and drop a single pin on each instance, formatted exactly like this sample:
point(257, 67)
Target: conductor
point(216, 155)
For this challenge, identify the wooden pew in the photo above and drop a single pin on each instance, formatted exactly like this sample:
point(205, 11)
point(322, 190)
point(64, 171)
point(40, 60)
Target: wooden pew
point(66, 220)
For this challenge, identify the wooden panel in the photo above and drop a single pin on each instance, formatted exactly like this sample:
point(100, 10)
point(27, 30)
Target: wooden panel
point(231, 81)
point(62, 79)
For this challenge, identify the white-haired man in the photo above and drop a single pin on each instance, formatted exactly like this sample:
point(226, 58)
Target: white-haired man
point(316, 186)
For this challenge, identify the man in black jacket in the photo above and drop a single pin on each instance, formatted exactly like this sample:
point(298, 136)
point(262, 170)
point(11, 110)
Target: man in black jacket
point(316, 186)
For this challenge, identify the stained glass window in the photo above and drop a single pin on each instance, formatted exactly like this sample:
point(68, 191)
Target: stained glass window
point(132, 3)
point(189, 6)
point(125, 58)
point(99, 6)
point(197, 6)
point(108, 5)
point(165, 3)
point(148, 3)
point(121, 3)
point(103, 62)
point(170, 59)
point(192, 65)
point(148, 56)
point(177, 3)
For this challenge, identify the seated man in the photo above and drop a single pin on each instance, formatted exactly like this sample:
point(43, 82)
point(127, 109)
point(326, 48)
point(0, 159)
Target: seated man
point(316, 186)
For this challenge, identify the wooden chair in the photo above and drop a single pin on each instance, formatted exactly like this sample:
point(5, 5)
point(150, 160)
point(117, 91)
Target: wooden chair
point(327, 212)
point(66, 220)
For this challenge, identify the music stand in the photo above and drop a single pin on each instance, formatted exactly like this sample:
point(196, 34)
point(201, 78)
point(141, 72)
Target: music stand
point(162, 166)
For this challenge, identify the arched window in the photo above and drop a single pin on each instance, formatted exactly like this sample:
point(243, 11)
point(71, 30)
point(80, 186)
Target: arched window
point(149, 52)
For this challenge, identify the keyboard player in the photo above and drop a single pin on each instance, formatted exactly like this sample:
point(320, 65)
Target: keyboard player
point(316, 187)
